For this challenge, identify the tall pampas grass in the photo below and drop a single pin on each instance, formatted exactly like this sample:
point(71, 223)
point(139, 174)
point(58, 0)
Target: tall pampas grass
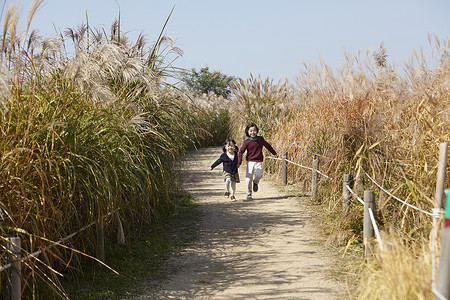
point(367, 116)
point(85, 133)
point(261, 101)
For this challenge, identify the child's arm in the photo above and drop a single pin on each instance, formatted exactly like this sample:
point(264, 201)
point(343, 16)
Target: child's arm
point(241, 152)
point(269, 147)
point(216, 163)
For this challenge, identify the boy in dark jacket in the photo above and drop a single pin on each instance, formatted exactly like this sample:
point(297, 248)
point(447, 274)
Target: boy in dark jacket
point(229, 158)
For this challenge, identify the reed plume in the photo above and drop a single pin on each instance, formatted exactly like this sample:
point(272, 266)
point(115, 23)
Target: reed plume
point(87, 133)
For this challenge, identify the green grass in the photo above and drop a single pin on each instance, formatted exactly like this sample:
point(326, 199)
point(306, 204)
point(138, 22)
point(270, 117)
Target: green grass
point(140, 260)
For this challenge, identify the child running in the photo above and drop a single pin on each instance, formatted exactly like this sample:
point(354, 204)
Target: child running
point(229, 158)
point(254, 145)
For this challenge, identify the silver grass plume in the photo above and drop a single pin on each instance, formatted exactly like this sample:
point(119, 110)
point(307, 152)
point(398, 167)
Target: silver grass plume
point(107, 61)
point(5, 92)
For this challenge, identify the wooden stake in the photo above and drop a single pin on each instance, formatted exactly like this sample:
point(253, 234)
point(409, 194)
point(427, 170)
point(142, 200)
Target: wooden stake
point(314, 178)
point(120, 232)
point(345, 193)
point(14, 284)
point(440, 181)
point(369, 232)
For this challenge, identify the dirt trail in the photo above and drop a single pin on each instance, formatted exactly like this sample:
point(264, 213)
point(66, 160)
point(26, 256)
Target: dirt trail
point(262, 249)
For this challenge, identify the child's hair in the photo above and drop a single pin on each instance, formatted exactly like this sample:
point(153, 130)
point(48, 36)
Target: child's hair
point(227, 141)
point(248, 127)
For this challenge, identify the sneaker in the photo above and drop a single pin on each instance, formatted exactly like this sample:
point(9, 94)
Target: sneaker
point(249, 197)
point(255, 187)
point(227, 194)
point(233, 198)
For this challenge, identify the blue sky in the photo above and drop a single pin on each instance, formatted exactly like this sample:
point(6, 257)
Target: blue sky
point(267, 38)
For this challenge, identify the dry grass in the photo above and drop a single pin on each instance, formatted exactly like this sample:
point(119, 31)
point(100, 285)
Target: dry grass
point(261, 101)
point(84, 133)
point(402, 270)
point(387, 119)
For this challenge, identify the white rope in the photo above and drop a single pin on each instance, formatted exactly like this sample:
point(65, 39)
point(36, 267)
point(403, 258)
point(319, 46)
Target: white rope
point(295, 142)
point(36, 253)
point(5, 267)
point(406, 203)
point(438, 294)
point(24, 259)
point(402, 164)
point(436, 214)
point(289, 161)
point(375, 227)
point(299, 165)
point(354, 194)
point(277, 158)
point(317, 154)
point(310, 169)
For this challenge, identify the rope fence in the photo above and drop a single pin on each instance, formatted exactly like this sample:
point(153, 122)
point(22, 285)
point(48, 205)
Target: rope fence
point(395, 197)
point(438, 294)
point(13, 246)
point(402, 164)
point(440, 281)
point(435, 214)
point(372, 217)
point(319, 155)
point(294, 143)
point(354, 194)
point(302, 166)
point(375, 227)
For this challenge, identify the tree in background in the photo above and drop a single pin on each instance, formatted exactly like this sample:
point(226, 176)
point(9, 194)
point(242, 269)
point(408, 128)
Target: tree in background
point(205, 81)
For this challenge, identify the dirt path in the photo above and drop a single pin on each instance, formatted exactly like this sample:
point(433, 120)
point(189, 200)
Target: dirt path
point(262, 249)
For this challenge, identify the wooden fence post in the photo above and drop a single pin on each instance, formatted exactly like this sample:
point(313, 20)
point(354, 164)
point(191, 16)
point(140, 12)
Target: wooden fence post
point(100, 246)
point(440, 181)
point(345, 193)
point(14, 285)
point(315, 167)
point(443, 276)
point(369, 232)
point(120, 232)
point(284, 169)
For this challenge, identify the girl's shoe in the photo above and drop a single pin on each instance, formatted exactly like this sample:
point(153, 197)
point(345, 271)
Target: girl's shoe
point(233, 198)
point(227, 194)
point(249, 198)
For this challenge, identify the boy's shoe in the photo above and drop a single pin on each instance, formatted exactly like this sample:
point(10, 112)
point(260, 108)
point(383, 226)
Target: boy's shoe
point(227, 194)
point(232, 198)
point(249, 198)
point(255, 187)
